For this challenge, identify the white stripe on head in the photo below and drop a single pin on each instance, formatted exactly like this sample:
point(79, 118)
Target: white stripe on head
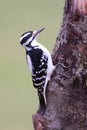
point(24, 36)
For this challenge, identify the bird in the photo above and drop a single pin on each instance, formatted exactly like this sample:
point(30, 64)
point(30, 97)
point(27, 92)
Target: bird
point(40, 64)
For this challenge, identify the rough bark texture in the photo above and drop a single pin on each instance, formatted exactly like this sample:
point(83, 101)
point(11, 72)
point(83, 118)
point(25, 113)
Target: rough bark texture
point(67, 91)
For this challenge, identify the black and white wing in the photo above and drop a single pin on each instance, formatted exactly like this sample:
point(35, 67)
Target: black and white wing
point(39, 73)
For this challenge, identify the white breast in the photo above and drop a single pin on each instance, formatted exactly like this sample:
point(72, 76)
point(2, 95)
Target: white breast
point(29, 63)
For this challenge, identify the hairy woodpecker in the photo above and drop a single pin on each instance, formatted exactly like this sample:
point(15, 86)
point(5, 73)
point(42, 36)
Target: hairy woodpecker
point(40, 64)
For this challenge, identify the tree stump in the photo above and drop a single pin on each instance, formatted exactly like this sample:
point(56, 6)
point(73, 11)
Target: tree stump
point(67, 90)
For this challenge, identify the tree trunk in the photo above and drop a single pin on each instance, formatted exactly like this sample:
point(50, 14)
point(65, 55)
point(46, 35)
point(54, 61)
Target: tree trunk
point(67, 90)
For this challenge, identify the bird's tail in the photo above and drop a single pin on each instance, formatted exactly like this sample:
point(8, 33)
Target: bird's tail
point(42, 101)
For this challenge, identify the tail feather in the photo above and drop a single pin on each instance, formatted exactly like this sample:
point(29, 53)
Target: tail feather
point(41, 101)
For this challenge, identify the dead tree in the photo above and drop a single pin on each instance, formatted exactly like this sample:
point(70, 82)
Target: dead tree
point(67, 90)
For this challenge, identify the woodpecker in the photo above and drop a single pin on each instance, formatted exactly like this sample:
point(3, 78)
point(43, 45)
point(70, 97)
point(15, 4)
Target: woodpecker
point(40, 64)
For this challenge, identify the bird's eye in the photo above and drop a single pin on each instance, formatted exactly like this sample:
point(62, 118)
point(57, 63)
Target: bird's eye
point(24, 37)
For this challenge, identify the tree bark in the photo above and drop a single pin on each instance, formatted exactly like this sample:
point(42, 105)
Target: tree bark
point(67, 90)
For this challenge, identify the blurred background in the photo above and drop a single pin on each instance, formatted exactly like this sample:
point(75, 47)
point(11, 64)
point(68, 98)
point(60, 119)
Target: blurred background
point(18, 98)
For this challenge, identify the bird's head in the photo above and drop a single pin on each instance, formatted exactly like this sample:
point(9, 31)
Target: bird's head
point(28, 37)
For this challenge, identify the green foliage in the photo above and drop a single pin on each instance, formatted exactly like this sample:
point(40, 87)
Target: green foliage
point(18, 99)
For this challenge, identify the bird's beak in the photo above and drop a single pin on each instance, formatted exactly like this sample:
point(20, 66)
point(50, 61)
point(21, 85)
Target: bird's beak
point(40, 30)
point(35, 33)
